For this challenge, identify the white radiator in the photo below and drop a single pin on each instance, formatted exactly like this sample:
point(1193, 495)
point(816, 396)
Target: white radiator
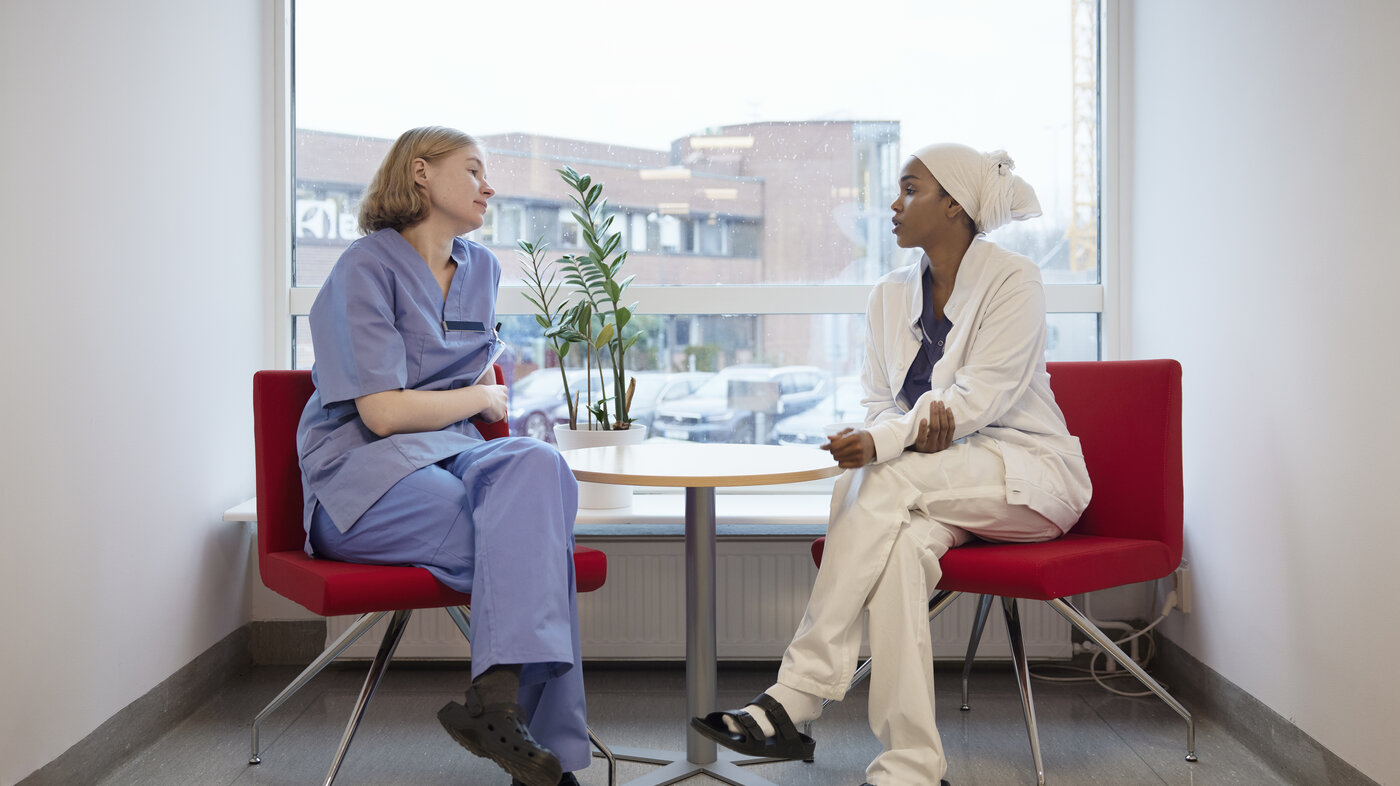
point(762, 588)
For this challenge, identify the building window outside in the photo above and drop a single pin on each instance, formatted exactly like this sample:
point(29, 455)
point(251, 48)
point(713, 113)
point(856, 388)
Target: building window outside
point(768, 210)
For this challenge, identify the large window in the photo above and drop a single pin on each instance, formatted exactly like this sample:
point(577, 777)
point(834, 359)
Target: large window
point(749, 155)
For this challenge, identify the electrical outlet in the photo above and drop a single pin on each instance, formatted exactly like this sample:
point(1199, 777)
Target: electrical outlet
point(1184, 590)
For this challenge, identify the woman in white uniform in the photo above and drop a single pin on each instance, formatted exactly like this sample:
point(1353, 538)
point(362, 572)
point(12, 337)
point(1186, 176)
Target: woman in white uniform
point(395, 473)
point(962, 439)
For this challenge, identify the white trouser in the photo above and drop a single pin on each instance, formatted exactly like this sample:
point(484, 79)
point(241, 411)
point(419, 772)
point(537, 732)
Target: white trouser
point(890, 524)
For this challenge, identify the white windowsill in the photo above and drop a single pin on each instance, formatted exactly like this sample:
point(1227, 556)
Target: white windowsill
point(663, 515)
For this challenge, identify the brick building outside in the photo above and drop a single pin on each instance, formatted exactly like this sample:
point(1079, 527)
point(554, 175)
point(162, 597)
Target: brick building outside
point(758, 203)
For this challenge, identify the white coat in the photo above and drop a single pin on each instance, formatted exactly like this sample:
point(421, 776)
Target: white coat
point(992, 376)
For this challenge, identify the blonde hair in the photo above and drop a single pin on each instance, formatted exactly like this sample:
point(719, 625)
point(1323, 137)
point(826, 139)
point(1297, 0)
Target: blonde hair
point(393, 200)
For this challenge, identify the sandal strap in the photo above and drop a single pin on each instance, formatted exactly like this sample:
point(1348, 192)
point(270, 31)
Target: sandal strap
point(475, 708)
point(749, 724)
point(777, 715)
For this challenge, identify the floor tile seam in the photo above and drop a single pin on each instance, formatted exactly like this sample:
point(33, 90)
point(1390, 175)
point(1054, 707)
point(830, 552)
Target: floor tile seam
point(1113, 729)
point(1204, 729)
point(148, 752)
point(148, 755)
point(264, 743)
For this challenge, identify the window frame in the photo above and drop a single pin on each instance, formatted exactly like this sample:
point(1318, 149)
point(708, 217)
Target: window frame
point(1108, 298)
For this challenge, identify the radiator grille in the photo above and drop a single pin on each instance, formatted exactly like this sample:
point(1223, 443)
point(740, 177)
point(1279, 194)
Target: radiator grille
point(639, 614)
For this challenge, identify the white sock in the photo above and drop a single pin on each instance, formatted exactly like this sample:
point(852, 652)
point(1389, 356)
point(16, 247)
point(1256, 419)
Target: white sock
point(801, 707)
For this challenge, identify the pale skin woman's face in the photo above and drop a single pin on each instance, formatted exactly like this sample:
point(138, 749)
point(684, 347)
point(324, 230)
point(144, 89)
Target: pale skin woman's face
point(456, 188)
point(923, 213)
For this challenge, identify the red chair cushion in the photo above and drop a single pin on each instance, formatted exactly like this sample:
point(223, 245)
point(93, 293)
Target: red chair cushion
point(1044, 571)
point(590, 568)
point(331, 588)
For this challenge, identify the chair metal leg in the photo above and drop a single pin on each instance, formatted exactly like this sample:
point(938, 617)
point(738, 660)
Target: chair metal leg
point(462, 615)
point(376, 673)
point(343, 642)
point(940, 602)
point(606, 753)
point(1078, 620)
point(984, 606)
point(1023, 681)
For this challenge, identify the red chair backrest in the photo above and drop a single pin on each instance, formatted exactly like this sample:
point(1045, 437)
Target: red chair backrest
point(278, 400)
point(500, 428)
point(1127, 415)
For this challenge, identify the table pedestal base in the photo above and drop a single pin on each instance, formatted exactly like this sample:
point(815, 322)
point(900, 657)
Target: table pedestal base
point(677, 768)
point(700, 665)
point(700, 469)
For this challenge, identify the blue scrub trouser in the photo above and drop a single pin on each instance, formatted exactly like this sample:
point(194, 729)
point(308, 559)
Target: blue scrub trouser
point(496, 521)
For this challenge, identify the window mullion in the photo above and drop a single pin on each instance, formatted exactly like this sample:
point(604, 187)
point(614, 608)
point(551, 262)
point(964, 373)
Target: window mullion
point(762, 299)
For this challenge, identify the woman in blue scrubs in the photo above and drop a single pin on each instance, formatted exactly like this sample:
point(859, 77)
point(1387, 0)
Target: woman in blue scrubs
point(395, 473)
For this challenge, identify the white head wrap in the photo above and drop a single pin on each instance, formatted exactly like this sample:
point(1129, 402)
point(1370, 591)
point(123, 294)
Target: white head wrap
point(982, 183)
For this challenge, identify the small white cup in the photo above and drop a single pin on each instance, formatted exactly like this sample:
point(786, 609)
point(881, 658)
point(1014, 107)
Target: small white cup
point(832, 429)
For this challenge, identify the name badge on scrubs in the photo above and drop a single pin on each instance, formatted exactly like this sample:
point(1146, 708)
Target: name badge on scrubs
point(473, 327)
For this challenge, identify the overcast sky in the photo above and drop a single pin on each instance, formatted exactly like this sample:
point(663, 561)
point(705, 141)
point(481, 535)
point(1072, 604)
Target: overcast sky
point(992, 73)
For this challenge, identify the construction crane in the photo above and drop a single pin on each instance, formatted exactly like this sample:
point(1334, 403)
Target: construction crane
point(1083, 232)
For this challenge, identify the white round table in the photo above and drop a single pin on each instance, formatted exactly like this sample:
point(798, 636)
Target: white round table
point(699, 469)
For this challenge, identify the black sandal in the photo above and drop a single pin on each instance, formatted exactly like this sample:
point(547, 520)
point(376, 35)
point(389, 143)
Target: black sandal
point(787, 743)
point(495, 732)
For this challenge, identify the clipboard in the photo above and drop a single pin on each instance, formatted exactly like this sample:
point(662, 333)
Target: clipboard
point(487, 375)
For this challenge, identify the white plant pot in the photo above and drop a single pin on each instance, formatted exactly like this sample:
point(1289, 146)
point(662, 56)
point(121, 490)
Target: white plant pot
point(600, 495)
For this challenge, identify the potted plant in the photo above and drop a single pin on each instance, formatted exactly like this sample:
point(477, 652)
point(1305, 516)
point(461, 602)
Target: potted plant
point(591, 316)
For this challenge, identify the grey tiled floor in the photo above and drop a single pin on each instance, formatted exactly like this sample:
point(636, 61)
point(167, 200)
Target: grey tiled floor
point(1087, 736)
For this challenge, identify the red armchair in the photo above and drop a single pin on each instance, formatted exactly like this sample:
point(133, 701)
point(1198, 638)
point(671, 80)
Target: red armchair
point(327, 587)
point(1127, 415)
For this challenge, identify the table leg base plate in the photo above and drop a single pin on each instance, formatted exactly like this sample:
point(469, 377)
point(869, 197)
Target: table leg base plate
point(676, 768)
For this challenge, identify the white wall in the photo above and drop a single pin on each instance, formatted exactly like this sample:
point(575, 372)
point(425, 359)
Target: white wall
point(1265, 197)
point(133, 177)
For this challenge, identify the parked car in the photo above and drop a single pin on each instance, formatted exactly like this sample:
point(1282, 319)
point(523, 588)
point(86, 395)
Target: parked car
point(841, 405)
point(534, 399)
point(710, 415)
point(653, 388)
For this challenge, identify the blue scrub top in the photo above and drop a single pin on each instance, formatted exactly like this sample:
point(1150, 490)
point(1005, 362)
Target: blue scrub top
point(380, 323)
point(934, 333)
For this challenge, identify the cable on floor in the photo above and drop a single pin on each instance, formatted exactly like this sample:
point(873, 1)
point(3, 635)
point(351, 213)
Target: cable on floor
point(1093, 672)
